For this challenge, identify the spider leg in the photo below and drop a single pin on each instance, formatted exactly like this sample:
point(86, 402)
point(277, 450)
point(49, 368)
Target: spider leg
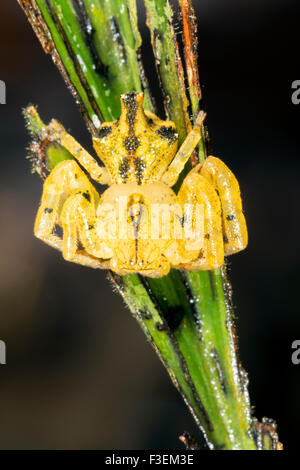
point(97, 172)
point(176, 166)
point(234, 224)
point(78, 217)
point(66, 180)
point(206, 248)
point(80, 257)
point(177, 255)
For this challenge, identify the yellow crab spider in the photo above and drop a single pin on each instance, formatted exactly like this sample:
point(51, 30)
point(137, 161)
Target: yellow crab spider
point(138, 224)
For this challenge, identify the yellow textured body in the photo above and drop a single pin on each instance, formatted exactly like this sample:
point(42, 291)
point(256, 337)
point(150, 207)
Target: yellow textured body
point(138, 224)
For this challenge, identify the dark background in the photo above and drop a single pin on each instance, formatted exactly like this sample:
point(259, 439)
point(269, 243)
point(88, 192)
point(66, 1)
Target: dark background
point(79, 372)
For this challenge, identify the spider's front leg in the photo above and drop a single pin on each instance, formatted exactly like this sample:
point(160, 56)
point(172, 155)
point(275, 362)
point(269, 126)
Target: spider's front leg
point(97, 172)
point(185, 151)
point(207, 244)
point(224, 182)
point(69, 200)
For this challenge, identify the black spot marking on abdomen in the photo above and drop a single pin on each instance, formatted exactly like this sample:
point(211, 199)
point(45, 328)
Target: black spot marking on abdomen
point(104, 131)
point(130, 102)
point(131, 143)
point(168, 133)
point(124, 168)
point(139, 165)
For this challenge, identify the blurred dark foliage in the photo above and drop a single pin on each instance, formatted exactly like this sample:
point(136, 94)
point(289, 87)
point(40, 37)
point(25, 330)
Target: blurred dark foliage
point(79, 373)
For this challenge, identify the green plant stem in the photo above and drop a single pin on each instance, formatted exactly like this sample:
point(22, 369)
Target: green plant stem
point(168, 63)
point(95, 80)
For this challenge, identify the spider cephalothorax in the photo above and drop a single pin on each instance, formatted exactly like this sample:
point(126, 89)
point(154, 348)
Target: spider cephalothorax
point(139, 224)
